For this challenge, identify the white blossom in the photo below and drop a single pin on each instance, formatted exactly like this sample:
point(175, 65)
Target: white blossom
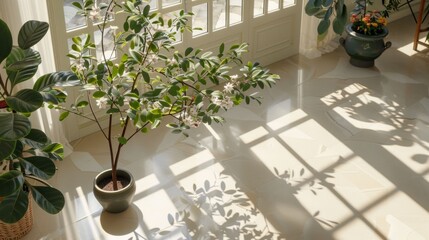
point(192, 121)
point(152, 58)
point(216, 100)
point(234, 77)
point(113, 29)
point(79, 64)
point(95, 14)
point(229, 87)
point(102, 102)
point(224, 102)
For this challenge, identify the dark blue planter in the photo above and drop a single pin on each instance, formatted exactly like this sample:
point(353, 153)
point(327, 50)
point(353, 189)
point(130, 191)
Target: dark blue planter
point(364, 49)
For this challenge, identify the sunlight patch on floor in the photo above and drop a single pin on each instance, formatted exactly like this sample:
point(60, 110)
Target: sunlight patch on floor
point(408, 48)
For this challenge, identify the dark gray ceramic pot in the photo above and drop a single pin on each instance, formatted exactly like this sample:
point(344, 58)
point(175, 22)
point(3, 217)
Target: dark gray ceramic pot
point(115, 201)
point(364, 49)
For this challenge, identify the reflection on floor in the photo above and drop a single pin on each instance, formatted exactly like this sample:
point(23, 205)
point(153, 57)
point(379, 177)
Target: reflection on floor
point(334, 152)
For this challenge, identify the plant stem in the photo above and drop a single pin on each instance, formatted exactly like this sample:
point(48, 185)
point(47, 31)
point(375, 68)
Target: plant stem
point(4, 87)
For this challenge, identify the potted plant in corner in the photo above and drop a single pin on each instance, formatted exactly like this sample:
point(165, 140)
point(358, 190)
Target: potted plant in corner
point(364, 41)
point(26, 154)
point(150, 82)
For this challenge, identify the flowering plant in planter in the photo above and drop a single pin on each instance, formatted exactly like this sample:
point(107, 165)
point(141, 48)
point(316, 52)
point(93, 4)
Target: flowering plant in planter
point(151, 82)
point(326, 10)
point(369, 23)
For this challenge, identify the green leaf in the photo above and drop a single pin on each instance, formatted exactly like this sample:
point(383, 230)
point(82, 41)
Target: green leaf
point(6, 148)
point(113, 110)
point(49, 199)
point(323, 26)
point(188, 51)
point(56, 151)
point(31, 33)
point(60, 79)
point(340, 21)
point(25, 101)
point(64, 115)
point(10, 181)
point(21, 65)
point(311, 9)
point(327, 3)
point(146, 76)
point(13, 126)
point(5, 41)
point(98, 94)
point(122, 140)
point(13, 207)
point(39, 166)
point(36, 138)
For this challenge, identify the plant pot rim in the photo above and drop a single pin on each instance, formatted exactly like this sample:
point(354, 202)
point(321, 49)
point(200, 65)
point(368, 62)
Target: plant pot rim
point(107, 173)
point(350, 31)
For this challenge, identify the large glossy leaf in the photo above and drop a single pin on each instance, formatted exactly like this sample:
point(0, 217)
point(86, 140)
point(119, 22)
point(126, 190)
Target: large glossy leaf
point(21, 65)
point(31, 33)
point(39, 166)
point(49, 199)
point(26, 100)
point(36, 138)
point(340, 21)
point(311, 9)
point(6, 148)
point(13, 126)
point(61, 79)
point(13, 207)
point(323, 26)
point(22, 75)
point(10, 182)
point(5, 41)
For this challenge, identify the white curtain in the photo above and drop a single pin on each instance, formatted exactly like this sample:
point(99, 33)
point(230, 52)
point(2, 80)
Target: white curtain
point(15, 13)
point(311, 45)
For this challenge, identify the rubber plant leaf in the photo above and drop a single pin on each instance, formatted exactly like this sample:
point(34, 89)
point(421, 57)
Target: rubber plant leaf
point(36, 139)
point(11, 182)
point(22, 65)
point(13, 126)
point(60, 79)
point(5, 41)
point(14, 206)
point(39, 166)
point(25, 101)
point(31, 33)
point(6, 149)
point(340, 21)
point(48, 198)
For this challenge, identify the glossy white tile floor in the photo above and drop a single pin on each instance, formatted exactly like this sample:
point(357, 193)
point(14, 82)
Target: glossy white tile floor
point(334, 152)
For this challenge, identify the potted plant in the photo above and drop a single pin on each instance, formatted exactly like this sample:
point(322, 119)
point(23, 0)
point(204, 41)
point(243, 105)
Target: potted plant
point(364, 41)
point(150, 82)
point(26, 154)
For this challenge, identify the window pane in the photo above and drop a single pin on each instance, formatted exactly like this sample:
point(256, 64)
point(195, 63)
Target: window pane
point(166, 3)
point(258, 8)
point(236, 11)
point(199, 19)
point(109, 44)
point(71, 18)
point(288, 3)
point(219, 16)
point(273, 5)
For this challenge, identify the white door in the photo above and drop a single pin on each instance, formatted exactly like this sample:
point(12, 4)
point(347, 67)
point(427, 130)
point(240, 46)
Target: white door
point(270, 27)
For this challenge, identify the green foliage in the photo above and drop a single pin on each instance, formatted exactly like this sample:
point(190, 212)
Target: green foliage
point(151, 81)
point(28, 152)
